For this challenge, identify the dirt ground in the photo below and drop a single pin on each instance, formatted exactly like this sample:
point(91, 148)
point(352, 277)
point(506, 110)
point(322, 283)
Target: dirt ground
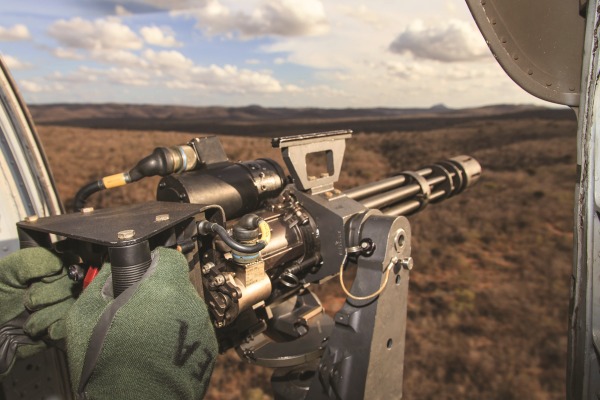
point(489, 293)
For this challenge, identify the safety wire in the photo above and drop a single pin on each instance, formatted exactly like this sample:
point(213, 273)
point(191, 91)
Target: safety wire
point(387, 270)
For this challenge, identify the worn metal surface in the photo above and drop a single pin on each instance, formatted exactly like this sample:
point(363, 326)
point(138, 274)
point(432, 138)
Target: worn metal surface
point(295, 149)
point(539, 44)
point(364, 357)
point(583, 368)
point(106, 226)
point(26, 188)
point(26, 185)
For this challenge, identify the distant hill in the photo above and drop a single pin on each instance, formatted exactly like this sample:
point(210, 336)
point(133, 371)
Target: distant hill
point(255, 120)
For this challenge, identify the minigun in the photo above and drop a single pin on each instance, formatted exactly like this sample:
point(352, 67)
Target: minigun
point(257, 241)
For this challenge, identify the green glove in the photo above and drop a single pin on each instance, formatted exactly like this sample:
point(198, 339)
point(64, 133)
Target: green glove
point(154, 341)
point(35, 294)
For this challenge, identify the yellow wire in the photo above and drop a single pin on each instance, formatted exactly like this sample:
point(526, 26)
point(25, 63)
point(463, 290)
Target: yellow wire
point(372, 295)
point(265, 231)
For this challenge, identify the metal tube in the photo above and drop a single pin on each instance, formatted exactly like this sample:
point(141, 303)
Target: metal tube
point(410, 206)
point(381, 186)
point(393, 196)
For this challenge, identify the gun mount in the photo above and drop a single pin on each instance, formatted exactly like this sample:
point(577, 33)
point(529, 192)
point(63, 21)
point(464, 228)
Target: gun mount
point(257, 240)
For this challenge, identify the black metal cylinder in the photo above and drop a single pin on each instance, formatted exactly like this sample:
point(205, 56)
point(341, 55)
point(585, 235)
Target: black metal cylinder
point(129, 263)
point(30, 238)
point(239, 188)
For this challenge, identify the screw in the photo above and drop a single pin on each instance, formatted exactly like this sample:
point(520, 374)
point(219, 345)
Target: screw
point(126, 234)
point(76, 273)
point(407, 263)
point(161, 217)
point(207, 267)
point(31, 218)
point(87, 210)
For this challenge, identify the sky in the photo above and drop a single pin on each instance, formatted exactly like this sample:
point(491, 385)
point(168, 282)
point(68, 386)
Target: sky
point(276, 53)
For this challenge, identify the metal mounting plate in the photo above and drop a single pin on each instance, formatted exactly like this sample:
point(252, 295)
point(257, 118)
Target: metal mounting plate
point(101, 226)
point(295, 149)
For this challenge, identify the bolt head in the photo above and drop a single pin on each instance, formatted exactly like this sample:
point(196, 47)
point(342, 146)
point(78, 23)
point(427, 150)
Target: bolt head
point(31, 218)
point(87, 210)
point(407, 263)
point(161, 217)
point(126, 234)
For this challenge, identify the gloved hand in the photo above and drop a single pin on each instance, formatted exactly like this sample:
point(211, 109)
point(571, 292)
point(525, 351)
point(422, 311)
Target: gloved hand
point(154, 341)
point(35, 294)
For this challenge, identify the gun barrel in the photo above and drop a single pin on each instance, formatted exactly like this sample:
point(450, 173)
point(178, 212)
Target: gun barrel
point(411, 191)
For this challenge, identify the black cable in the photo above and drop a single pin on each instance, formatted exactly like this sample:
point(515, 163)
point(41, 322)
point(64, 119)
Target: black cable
point(205, 227)
point(86, 192)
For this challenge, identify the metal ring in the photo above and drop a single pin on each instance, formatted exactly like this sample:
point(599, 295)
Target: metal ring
point(447, 185)
point(294, 279)
point(425, 188)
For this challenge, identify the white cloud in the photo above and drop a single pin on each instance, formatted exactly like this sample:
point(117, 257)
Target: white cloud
point(117, 57)
point(128, 76)
point(252, 61)
point(273, 18)
point(232, 79)
point(14, 63)
point(14, 33)
point(451, 42)
point(411, 70)
point(362, 13)
point(162, 37)
point(228, 79)
point(68, 54)
point(168, 61)
point(81, 75)
point(99, 34)
point(35, 87)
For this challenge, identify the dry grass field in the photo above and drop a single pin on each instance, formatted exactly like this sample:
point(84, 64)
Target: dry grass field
point(489, 292)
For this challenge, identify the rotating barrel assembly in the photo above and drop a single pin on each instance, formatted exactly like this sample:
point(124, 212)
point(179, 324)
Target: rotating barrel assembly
point(256, 239)
point(411, 191)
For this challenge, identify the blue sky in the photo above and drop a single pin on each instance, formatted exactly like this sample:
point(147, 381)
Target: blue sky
point(280, 53)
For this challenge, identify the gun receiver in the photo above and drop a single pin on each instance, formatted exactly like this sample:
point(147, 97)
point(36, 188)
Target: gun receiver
point(257, 240)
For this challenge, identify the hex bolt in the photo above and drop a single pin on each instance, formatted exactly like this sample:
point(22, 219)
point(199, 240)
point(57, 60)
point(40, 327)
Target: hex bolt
point(220, 280)
point(407, 263)
point(76, 273)
point(126, 234)
point(161, 217)
point(31, 218)
point(207, 267)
